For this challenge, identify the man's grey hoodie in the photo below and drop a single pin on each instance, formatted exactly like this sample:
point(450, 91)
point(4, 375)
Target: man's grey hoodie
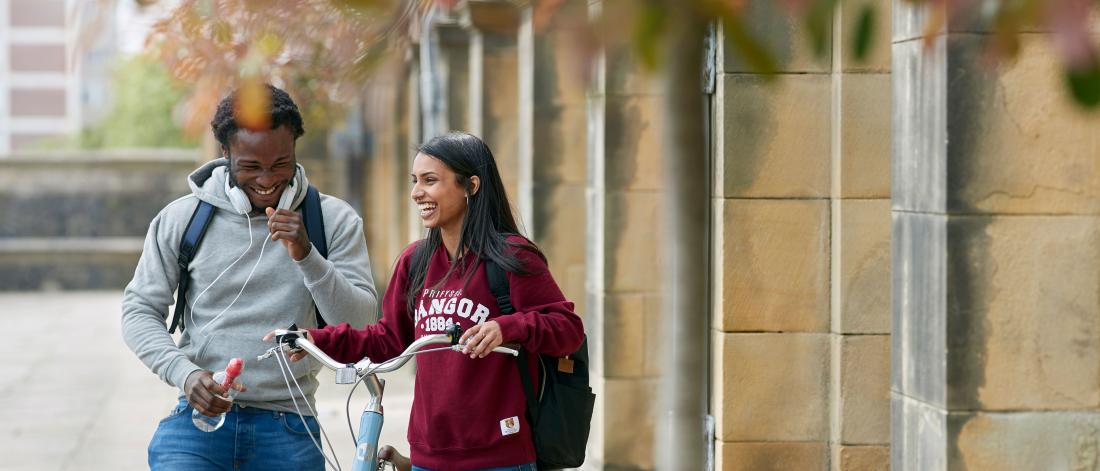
point(238, 294)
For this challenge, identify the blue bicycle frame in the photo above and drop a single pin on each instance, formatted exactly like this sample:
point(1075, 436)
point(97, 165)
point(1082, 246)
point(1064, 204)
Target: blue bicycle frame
point(370, 424)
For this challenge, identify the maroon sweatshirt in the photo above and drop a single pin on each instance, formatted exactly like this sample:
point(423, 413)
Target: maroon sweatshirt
point(466, 413)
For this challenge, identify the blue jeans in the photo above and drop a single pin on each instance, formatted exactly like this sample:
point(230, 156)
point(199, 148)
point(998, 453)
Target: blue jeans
point(250, 439)
point(522, 467)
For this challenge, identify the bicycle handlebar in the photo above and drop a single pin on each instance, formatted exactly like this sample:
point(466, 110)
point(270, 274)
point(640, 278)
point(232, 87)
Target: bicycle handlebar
point(365, 365)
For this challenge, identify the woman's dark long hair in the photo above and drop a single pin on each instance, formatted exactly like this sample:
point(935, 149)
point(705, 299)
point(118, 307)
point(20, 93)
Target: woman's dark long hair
point(488, 221)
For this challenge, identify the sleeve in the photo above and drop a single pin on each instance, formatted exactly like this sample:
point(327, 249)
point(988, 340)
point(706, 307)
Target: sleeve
point(381, 341)
point(145, 306)
point(544, 321)
point(342, 286)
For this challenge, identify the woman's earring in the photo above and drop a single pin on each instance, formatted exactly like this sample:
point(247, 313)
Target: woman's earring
point(467, 200)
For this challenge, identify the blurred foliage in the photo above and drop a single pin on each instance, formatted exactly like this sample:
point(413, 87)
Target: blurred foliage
point(142, 112)
point(323, 51)
point(320, 51)
point(1066, 21)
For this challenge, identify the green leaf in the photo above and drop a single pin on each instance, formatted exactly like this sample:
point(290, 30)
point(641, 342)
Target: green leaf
point(819, 21)
point(865, 30)
point(649, 26)
point(748, 47)
point(1084, 85)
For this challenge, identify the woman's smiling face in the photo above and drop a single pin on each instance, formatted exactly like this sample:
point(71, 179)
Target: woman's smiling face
point(438, 195)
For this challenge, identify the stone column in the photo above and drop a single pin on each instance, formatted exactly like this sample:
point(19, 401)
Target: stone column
point(387, 210)
point(624, 253)
point(559, 137)
point(996, 247)
point(494, 86)
point(860, 240)
point(771, 320)
point(454, 72)
point(410, 136)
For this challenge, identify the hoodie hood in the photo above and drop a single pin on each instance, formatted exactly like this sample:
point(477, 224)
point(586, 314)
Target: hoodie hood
point(208, 184)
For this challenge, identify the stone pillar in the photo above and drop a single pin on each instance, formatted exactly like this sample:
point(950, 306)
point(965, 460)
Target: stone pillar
point(454, 73)
point(771, 295)
point(559, 149)
point(387, 210)
point(860, 246)
point(996, 247)
point(410, 136)
point(624, 254)
point(494, 86)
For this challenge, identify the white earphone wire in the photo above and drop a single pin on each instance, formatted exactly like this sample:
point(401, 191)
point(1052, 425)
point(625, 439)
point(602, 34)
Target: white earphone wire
point(212, 283)
point(246, 280)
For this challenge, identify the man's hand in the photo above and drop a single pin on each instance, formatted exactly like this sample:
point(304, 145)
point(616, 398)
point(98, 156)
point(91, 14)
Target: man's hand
point(286, 225)
point(206, 395)
point(481, 339)
point(294, 355)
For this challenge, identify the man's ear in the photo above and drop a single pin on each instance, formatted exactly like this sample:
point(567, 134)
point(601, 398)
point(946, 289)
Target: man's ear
point(475, 184)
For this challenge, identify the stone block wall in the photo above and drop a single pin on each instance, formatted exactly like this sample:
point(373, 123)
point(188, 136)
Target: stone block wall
point(994, 218)
point(78, 221)
point(624, 188)
point(801, 296)
point(860, 204)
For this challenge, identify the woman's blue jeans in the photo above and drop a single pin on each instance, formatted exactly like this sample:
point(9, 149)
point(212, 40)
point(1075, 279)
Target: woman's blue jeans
point(250, 439)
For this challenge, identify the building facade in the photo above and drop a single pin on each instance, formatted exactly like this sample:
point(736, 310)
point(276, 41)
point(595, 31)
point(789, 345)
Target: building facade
point(903, 247)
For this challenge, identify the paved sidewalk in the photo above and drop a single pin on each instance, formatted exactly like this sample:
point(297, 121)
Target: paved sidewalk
point(73, 397)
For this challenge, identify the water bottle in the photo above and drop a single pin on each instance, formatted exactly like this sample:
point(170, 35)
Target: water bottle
point(226, 378)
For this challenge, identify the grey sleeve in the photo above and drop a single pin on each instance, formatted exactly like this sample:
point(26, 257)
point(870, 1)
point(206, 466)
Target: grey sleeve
point(145, 307)
point(342, 286)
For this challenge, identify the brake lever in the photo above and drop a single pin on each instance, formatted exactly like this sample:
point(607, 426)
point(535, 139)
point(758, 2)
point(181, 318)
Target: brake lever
point(290, 337)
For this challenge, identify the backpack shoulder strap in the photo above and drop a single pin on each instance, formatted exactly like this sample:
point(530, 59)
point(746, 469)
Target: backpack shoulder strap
point(315, 221)
point(189, 245)
point(498, 284)
point(315, 229)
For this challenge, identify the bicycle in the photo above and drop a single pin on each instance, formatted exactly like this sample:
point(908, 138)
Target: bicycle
point(366, 372)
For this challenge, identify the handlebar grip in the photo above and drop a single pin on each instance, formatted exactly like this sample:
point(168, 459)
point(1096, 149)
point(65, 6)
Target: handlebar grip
point(511, 351)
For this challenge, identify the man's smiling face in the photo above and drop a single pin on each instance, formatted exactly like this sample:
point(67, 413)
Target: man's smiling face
point(262, 163)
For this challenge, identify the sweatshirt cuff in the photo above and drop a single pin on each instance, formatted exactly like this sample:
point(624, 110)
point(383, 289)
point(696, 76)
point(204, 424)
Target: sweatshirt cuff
point(320, 337)
point(314, 267)
point(179, 372)
point(512, 329)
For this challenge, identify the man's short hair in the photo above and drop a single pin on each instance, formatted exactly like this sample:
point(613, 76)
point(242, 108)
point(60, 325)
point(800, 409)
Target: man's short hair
point(283, 113)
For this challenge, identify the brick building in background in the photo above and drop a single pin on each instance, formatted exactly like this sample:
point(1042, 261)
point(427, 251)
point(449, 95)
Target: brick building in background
point(55, 64)
point(39, 80)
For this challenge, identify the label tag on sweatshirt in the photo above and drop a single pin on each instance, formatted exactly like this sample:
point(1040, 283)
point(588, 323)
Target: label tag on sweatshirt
point(509, 426)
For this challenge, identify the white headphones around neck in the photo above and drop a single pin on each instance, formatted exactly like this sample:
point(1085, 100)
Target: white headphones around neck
point(241, 203)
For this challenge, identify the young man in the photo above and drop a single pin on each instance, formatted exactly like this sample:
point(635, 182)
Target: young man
point(254, 271)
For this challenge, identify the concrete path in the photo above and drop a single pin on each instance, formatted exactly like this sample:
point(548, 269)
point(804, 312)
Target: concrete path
point(73, 396)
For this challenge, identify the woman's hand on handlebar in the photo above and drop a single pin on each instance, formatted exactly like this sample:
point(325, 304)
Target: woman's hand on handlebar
point(481, 339)
point(294, 355)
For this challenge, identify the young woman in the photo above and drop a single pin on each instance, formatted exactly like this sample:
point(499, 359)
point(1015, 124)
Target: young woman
point(468, 411)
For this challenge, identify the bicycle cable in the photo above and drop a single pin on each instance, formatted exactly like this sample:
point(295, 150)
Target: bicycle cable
point(284, 368)
point(347, 404)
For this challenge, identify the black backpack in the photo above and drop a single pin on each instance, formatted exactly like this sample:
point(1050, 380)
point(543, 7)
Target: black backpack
point(196, 229)
point(561, 413)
